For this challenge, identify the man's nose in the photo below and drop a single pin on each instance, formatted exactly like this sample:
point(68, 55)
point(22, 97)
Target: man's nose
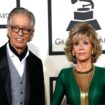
point(20, 32)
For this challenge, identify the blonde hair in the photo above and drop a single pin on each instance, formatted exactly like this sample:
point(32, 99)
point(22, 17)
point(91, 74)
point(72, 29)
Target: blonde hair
point(79, 31)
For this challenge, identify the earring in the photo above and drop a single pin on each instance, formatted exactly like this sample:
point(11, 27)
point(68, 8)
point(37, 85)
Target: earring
point(92, 52)
point(73, 53)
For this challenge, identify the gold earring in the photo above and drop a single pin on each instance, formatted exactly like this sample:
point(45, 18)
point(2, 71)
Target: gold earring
point(73, 53)
point(92, 52)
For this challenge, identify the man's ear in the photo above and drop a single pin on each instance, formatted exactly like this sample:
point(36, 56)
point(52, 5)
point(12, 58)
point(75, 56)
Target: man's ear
point(8, 32)
point(32, 34)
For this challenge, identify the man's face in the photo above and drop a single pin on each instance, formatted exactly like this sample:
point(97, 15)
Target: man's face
point(19, 31)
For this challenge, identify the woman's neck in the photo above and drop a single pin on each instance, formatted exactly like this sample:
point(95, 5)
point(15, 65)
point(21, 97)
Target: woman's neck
point(83, 67)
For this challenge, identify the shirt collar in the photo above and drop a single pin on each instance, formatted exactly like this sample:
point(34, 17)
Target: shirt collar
point(12, 54)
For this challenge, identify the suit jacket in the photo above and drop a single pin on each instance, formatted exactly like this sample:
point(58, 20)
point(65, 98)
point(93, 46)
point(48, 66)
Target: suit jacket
point(66, 85)
point(35, 93)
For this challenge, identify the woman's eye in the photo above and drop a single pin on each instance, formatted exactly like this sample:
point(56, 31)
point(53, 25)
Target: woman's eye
point(86, 42)
point(76, 44)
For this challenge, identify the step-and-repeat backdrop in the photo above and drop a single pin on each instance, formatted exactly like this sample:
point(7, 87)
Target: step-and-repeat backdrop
point(54, 19)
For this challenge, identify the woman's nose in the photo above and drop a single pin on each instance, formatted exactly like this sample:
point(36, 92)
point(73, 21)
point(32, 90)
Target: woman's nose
point(81, 46)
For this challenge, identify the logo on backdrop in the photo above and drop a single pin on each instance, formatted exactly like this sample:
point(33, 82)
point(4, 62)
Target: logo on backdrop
point(84, 14)
point(62, 16)
point(5, 15)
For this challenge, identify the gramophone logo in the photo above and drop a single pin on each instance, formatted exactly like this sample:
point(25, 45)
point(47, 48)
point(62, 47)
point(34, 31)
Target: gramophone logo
point(64, 14)
point(84, 14)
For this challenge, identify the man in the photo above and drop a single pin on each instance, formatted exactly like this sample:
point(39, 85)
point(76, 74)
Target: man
point(21, 72)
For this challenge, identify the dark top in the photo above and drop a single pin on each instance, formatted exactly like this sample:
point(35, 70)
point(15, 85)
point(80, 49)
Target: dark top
point(35, 93)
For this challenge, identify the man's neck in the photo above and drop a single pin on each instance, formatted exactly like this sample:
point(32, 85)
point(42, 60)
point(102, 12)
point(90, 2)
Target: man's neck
point(19, 55)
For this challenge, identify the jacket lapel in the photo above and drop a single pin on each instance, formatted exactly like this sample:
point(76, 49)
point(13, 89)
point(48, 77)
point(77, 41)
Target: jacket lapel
point(4, 70)
point(27, 96)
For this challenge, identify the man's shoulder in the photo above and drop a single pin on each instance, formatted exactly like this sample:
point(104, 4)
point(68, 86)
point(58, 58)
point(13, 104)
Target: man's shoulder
point(33, 56)
point(3, 50)
point(3, 47)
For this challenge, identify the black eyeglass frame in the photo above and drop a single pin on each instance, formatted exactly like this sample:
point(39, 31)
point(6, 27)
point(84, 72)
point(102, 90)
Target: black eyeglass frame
point(24, 30)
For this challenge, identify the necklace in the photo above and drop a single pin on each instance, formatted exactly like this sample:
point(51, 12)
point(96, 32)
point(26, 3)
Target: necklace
point(85, 72)
point(83, 80)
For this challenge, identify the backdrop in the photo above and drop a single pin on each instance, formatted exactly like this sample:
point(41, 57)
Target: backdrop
point(54, 19)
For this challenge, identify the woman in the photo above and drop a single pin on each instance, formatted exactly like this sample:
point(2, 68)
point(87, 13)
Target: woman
point(83, 84)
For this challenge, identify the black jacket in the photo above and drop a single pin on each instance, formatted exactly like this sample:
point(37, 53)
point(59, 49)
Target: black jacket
point(35, 92)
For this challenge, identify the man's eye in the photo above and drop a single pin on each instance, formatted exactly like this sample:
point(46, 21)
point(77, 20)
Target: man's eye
point(25, 29)
point(16, 28)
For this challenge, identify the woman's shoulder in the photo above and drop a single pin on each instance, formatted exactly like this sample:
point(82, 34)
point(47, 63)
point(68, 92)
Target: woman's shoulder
point(65, 74)
point(66, 70)
point(99, 68)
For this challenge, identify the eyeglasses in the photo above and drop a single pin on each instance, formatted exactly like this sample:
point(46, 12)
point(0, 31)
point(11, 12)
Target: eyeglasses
point(24, 30)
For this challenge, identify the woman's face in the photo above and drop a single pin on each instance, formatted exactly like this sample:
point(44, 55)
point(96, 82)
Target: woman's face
point(82, 49)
